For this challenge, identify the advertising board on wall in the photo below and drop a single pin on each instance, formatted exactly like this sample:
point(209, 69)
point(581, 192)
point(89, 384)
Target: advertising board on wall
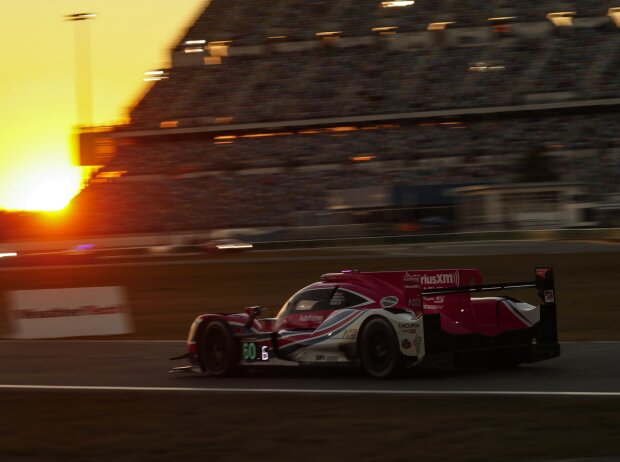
point(70, 312)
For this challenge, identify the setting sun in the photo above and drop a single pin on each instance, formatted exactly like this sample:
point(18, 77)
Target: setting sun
point(46, 190)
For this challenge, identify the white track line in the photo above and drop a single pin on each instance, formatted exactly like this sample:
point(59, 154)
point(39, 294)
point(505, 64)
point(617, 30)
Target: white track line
point(68, 340)
point(312, 392)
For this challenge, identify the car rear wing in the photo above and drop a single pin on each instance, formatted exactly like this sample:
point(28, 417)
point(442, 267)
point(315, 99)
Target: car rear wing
point(543, 283)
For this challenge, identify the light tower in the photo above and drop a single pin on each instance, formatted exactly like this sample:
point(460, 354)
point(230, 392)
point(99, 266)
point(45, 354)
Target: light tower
point(83, 74)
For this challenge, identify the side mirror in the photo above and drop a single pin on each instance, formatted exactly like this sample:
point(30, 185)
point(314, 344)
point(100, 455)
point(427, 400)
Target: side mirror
point(252, 312)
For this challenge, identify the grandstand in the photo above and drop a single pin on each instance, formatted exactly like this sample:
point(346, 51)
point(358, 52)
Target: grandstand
point(270, 108)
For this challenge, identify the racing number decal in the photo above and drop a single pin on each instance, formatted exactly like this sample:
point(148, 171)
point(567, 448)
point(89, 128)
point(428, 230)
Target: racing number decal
point(250, 352)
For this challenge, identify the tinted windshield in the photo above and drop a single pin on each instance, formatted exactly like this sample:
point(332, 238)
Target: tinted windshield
point(308, 300)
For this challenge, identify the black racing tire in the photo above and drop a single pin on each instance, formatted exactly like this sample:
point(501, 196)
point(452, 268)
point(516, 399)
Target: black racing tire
point(379, 351)
point(218, 350)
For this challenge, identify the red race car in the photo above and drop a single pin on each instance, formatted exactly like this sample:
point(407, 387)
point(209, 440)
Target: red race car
point(384, 321)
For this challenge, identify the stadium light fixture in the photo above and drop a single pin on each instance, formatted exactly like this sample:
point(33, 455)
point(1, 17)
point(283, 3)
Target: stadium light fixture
point(225, 137)
point(276, 39)
point(218, 49)
point(385, 31)
point(194, 46)
point(379, 126)
point(329, 37)
point(614, 14)
point(154, 76)
point(83, 71)
point(194, 50)
point(453, 125)
point(259, 135)
point(111, 175)
point(397, 3)
point(562, 18)
point(501, 24)
point(309, 132)
point(481, 66)
point(439, 25)
point(80, 16)
point(362, 158)
point(341, 129)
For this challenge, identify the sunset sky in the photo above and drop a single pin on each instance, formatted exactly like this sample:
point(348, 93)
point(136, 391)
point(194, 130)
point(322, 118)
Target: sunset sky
point(37, 86)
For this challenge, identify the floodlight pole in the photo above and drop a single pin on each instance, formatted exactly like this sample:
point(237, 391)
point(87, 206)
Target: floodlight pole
point(83, 74)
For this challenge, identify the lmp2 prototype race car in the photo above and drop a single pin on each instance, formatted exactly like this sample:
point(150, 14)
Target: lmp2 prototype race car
point(384, 322)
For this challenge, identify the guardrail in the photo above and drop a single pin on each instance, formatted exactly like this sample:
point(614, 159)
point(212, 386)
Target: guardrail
point(542, 234)
point(135, 244)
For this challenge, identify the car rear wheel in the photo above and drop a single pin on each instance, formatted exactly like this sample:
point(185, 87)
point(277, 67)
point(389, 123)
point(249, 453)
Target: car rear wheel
point(218, 350)
point(379, 352)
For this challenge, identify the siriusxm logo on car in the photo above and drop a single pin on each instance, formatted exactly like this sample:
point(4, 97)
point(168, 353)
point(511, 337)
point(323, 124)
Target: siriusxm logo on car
point(441, 279)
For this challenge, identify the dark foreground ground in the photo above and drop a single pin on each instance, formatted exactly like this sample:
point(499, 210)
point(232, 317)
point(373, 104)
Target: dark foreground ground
point(138, 426)
point(93, 426)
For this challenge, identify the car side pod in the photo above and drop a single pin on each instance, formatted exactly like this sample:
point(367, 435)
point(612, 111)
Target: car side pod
point(454, 351)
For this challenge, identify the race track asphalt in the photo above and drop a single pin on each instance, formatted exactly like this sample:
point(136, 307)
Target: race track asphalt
point(583, 368)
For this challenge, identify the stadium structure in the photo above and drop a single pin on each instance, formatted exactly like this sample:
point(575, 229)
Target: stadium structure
point(293, 113)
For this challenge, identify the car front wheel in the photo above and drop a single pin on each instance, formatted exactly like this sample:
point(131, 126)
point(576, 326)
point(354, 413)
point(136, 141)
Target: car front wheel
point(218, 350)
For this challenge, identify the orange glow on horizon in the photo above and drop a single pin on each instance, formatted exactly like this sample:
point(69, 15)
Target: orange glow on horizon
point(40, 90)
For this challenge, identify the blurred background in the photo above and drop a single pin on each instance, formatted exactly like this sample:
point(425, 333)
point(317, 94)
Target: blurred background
point(312, 119)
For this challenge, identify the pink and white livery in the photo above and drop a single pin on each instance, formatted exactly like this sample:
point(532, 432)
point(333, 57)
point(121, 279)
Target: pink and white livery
point(384, 321)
